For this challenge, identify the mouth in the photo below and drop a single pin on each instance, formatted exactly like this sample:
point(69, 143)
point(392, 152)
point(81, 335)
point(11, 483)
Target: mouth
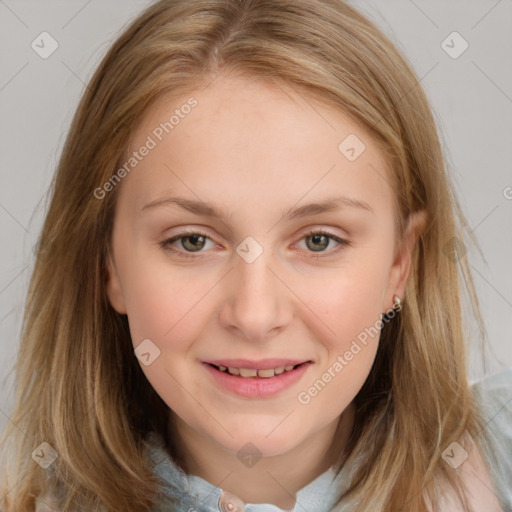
point(263, 379)
point(255, 373)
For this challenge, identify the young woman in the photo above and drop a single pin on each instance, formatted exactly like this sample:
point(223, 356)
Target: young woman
point(245, 296)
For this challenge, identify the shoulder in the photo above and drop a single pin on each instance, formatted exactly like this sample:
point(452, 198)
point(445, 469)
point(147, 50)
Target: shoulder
point(486, 470)
point(477, 479)
point(494, 399)
point(499, 384)
point(489, 473)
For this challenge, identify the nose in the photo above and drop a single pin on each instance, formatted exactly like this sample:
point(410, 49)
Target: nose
point(256, 301)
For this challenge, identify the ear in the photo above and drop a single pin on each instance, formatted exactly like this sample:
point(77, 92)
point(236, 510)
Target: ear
point(401, 267)
point(114, 290)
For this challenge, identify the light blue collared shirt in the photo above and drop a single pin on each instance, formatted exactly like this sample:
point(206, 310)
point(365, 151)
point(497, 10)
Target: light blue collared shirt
point(494, 395)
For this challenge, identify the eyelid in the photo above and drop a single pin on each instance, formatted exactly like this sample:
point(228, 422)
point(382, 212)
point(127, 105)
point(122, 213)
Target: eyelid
point(166, 243)
point(342, 242)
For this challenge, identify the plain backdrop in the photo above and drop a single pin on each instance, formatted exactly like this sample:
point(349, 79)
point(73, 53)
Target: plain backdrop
point(471, 94)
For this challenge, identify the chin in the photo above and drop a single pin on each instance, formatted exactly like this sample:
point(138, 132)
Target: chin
point(256, 443)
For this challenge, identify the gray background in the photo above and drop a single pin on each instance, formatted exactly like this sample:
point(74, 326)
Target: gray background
point(471, 96)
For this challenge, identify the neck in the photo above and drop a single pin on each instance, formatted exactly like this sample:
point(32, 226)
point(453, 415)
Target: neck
point(275, 479)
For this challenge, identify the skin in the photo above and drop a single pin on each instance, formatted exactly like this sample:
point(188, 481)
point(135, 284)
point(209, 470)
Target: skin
point(256, 150)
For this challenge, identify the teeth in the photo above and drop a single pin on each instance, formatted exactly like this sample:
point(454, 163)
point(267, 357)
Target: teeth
point(251, 372)
point(248, 372)
point(266, 373)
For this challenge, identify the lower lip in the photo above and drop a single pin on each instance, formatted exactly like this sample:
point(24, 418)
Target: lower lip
point(257, 387)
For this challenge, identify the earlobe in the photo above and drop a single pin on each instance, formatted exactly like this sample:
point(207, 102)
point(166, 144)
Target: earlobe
point(401, 268)
point(114, 291)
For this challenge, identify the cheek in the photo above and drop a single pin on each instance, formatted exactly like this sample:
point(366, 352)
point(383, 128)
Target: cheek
point(350, 308)
point(166, 312)
point(163, 308)
point(347, 301)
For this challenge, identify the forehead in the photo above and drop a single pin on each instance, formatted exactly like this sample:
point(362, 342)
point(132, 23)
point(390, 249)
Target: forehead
point(239, 137)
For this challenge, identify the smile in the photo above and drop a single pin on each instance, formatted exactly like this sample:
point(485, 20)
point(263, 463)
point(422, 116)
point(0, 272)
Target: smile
point(252, 372)
point(255, 382)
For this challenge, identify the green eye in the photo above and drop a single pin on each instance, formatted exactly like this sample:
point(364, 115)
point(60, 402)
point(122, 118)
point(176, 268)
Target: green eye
point(191, 241)
point(195, 241)
point(319, 240)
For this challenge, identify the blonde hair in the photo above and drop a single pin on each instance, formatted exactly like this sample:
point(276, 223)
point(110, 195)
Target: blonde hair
point(78, 386)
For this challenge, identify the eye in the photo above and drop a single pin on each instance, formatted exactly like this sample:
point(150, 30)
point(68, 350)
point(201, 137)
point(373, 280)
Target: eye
point(318, 240)
point(194, 242)
point(191, 241)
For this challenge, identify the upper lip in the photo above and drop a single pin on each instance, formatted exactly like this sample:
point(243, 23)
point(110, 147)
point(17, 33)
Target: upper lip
point(261, 364)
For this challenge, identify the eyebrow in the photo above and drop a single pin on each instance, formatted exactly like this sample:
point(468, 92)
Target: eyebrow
point(208, 210)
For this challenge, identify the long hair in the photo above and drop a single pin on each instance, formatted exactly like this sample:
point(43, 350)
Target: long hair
point(78, 386)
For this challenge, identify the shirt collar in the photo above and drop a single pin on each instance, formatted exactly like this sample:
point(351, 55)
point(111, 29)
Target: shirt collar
point(320, 494)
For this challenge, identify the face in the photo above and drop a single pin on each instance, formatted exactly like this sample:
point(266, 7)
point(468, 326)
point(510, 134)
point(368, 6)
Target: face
point(240, 267)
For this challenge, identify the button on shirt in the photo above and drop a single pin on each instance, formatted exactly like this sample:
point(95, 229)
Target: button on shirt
point(194, 494)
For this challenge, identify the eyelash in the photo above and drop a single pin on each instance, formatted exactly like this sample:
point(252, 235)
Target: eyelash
point(166, 244)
